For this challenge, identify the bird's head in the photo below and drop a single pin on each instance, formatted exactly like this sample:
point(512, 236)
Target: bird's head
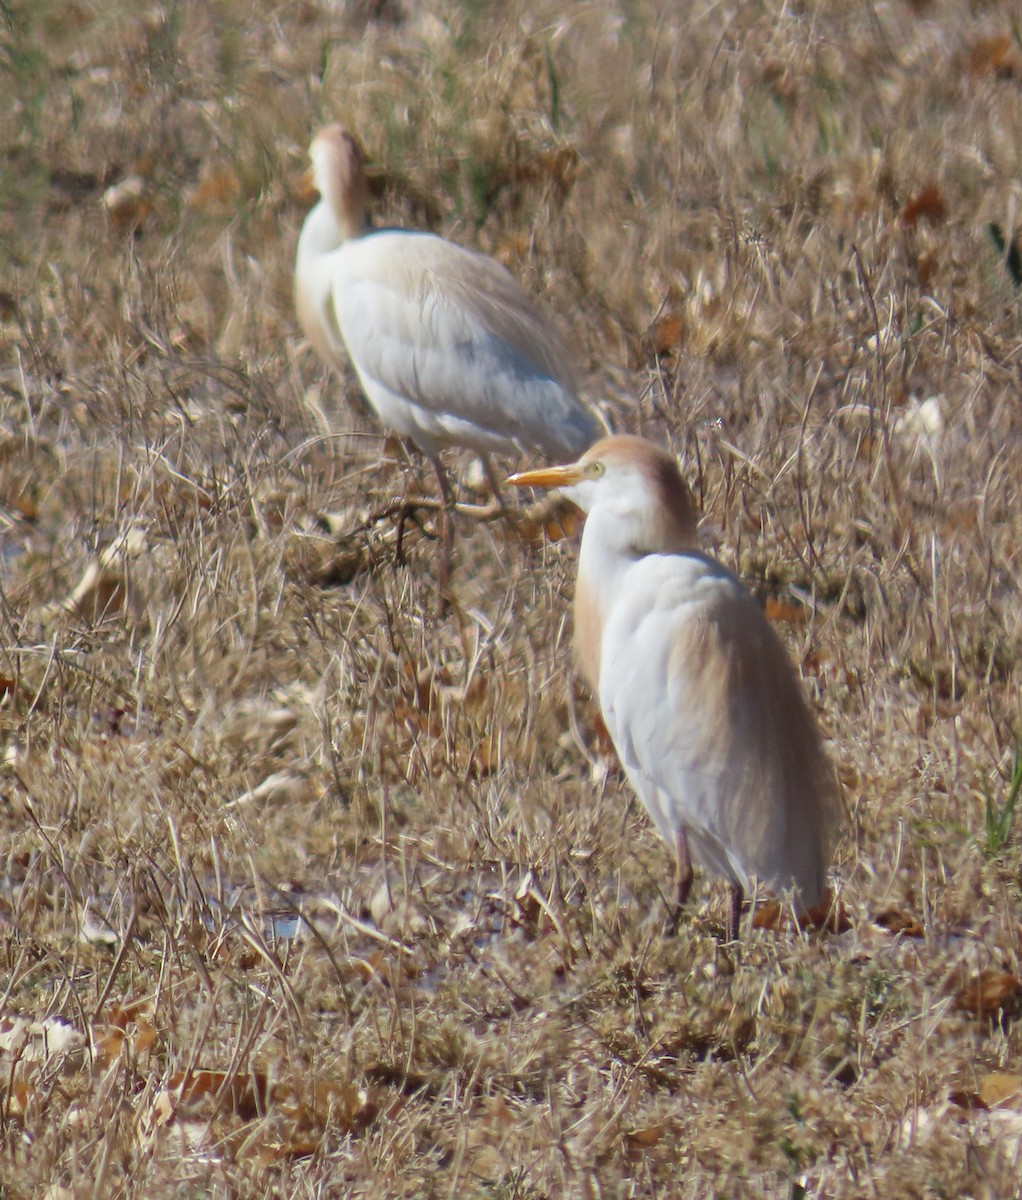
point(338, 174)
point(635, 486)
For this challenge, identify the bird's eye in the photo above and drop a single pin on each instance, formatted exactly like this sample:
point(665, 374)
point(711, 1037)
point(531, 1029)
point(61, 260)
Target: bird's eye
point(595, 469)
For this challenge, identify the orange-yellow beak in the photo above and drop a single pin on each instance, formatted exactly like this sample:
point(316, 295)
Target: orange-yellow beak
point(547, 477)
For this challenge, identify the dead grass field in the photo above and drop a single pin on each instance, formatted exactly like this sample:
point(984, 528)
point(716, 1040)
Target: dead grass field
point(307, 893)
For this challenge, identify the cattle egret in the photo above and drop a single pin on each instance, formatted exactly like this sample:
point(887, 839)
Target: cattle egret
point(697, 691)
point(448, 348)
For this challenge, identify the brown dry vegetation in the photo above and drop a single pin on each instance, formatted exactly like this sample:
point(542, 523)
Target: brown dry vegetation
point(305, 892)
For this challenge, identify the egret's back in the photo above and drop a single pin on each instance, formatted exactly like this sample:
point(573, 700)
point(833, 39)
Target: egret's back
point(449, 349)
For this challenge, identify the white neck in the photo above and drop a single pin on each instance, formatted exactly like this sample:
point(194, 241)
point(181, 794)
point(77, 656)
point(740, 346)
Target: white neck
point(321, 233)
point(602, 560)
point(604, 554)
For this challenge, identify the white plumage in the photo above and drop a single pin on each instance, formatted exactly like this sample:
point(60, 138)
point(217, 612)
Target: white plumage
point(697, 691)
point(448, 348)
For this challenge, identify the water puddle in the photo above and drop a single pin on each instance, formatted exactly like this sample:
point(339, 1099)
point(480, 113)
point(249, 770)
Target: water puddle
point(367, 923)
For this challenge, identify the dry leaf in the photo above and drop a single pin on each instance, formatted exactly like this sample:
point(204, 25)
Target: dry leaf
point(994, 56)
point(217, 191)
point(314, 1105)
point(556, 166)
point(128, 203)
point(24, 504)
point(1001, 1089)
point(970, 1101)
point(829, 916)
point(416, 721)
point(337, 568)
point(998, 1089)
point(601, 735)
point(102, 589)
point(124, 1025)
point(667, 333)
point(991, 996)
point(370, 968)
point(638, 1140)
point(487, 1163)
point(781, 610)
point(486, 757)
point(246, 1095)
point(107, 1047)
point(896, 920)
point(528, 905)
point(926, 264)
point(282, 787)
point(769, 915)
point(928, 204)
point(17, 1097)
point(272, 1152)
point(303, 189)
point(331, 1103)
point(144, 1036)
point(162, 1111)
point(535, 533)
point(100, 593)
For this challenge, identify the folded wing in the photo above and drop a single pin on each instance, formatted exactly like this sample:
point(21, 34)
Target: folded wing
point(450, 334)
point(730, 752)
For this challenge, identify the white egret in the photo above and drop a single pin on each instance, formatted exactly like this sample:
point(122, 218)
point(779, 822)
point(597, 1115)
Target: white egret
point(697, 691)
point(447, 347)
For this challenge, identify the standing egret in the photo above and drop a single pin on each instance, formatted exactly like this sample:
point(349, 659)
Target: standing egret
point(697, 691)
point(448, 348)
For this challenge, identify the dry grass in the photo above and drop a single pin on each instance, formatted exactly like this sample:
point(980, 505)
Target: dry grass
point(766, 233)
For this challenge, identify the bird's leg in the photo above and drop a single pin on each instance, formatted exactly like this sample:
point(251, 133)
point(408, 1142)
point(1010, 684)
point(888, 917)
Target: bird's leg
point(496, 507)
point(685, 872)
point(734, 916)
point(685, 877)
point(446, 531)
point(485, 512)
point(404, 511)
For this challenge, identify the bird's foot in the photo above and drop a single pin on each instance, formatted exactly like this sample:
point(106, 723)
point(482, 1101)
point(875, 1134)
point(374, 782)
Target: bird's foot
point(673, 921)
point(482, 512)
point(404, 509)
point(407, 510)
